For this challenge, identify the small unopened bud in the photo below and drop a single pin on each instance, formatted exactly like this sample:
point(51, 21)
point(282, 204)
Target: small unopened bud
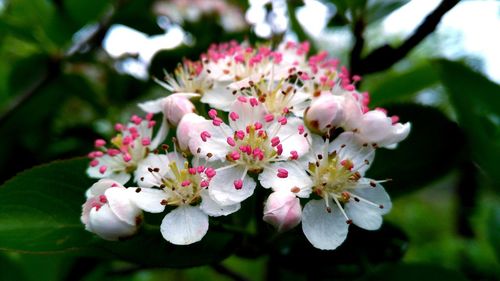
point(282, 210)
point(188, 125)
point(108, 212)
point(325, 112)
point(175, 107)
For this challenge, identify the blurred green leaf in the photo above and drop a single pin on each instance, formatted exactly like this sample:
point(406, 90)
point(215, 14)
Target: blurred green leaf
point(361, 248)
point(477, 103)
point(10, 270)
point(40, 208)
point(493, 230)
point(392, 86)
point(431, 150)
point(40, 212)
point(413, 272)
point(39, 22)
point(379, 9)
point(85, 11)
point(27, 72)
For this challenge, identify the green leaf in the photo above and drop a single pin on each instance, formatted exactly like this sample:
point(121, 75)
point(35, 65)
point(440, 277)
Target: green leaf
point(431, 150)
point(413, 272)
point(476, 101)
point(379, 9)
point(85, 11)
point(40, 208)
point(40, 212)
point(493, 230)
point(28, 72)
point(393, 86)
point(10, 270)
point(361, 248)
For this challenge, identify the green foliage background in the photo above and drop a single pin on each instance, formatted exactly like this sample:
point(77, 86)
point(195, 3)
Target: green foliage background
point(58, 95)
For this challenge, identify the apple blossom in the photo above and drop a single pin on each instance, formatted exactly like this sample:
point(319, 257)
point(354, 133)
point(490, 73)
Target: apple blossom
point(169, 180)
point(127, 149)
point(334, 171)
point(253, 140)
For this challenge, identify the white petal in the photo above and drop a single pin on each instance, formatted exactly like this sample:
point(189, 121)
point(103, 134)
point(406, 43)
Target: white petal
point(297, 178)
point(144, 177)
point(107, 225)
point(214, 209)
point(184, 225)
point(148, 199)
point(290, 137)
point(219, 96)
point(120, 204)
point(366, 215)
point(101, 186)
point(325, 231)
point(222, 188)
point(161, 134)
point(121, 177)
point(154, 106)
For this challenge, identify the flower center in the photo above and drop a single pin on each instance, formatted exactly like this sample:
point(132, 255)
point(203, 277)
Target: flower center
point(183, 184)
point(333, 177)
point(253, 148)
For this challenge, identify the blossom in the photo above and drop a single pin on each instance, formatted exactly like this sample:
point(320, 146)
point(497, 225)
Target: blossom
point(108, 211)
point(282, 210)
point(128, 149)
point(253, 140)
point(376, 128)
point(236, 67)
point(173, 107)
point(169, 180)
point(334, 171)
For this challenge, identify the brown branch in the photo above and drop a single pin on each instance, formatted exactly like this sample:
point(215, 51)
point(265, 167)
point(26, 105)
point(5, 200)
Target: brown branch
point(386, 56)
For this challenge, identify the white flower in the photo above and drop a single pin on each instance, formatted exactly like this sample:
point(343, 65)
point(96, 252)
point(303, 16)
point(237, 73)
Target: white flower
point(129, 147)
point(235, 67)
point(108, 211)
point(169, 180)
point(334, 171)
point(282, 210)
point(376, 128)
point(253, 140)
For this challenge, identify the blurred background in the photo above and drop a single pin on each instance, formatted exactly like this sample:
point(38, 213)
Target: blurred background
point(69, 69)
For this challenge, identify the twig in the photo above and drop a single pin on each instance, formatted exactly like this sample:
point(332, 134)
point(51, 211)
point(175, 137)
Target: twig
point(386, 56)
point(54, 65)
point(219, 268)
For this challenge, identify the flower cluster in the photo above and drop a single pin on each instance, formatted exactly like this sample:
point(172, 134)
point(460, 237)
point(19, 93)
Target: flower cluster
point(280, 120)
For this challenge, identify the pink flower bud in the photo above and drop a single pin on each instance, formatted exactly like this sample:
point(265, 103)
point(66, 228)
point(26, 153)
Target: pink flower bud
point(108, 212)
point(188, 126)
point(282, 210)
point(325, 112)
point(175, 107)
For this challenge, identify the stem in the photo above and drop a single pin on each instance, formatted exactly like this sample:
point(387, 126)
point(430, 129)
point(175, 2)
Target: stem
point(386, 56)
